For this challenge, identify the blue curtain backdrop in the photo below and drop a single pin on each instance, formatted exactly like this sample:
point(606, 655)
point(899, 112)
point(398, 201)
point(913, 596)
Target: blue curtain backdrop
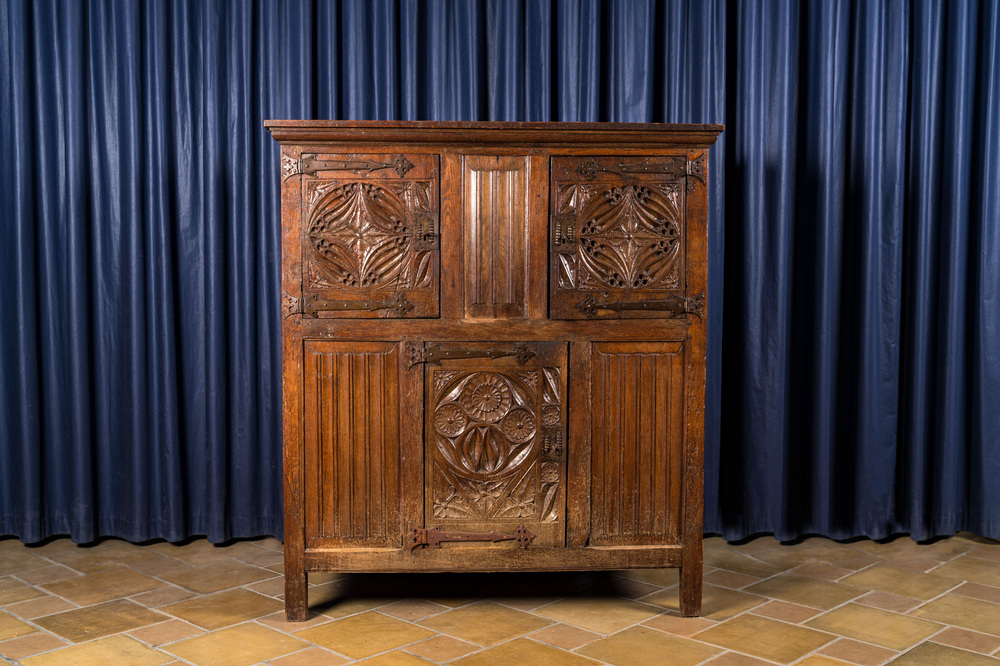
point(854, 372)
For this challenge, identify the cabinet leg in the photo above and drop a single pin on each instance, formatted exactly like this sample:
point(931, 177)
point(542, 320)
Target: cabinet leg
point(690, 599)
point(296, 596)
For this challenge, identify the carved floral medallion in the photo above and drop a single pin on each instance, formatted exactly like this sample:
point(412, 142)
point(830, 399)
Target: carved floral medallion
point(486, 397)
point(487, 454)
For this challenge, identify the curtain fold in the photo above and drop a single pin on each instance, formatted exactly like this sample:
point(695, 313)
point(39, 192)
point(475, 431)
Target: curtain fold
point(854, 254)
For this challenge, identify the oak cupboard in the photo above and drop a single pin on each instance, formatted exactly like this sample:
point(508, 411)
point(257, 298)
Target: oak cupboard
point(493, 347)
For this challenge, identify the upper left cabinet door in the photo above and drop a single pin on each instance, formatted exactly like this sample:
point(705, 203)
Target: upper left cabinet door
point(370, 245)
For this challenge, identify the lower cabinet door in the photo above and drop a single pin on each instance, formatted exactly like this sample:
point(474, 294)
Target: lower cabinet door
point(637, 438)
point(351, 440)
point(495, 444)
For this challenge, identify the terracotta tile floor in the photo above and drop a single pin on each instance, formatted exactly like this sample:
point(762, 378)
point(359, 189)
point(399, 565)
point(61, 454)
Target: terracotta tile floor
point(816, 603)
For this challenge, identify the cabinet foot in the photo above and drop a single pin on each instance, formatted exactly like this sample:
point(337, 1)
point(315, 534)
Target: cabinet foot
point(296, 597)
point(690, 590)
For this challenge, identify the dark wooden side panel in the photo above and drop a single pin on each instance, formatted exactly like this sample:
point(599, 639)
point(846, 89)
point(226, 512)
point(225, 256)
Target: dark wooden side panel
point(694, 450)
point(637, 436)
point(352, 443)
point(495, 214)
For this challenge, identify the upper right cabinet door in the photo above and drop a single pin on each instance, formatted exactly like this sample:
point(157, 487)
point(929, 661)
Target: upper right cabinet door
point(617, 237)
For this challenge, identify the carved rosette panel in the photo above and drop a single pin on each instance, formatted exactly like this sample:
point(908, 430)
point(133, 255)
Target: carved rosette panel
point(627, 237)
point(369, 235)
point(488, 451)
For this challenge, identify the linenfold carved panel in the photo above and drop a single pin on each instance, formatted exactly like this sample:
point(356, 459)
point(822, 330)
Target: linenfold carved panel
point(352, 441)
point(637, 435)
point(617, 230)
point(495, 221)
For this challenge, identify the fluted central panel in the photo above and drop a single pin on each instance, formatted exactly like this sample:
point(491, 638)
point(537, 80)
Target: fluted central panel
point(495, 212)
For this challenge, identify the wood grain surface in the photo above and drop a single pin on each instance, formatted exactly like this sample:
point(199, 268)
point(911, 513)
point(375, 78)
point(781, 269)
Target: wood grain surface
point(490, 329)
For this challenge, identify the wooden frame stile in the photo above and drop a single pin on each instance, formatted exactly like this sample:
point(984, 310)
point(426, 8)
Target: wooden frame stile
point(452, 293)
point(292, 394)
point(530, 384)
point(578, 483)
point(694, 447)
point(411, 426)
point(538, 206)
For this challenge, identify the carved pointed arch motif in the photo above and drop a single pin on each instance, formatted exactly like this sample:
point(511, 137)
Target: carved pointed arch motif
point(370, 232)
point(629, 239)
point(617, 233)
point(360, 237)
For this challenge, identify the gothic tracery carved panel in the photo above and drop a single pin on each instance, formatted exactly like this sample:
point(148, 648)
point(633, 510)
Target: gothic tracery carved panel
point(616, 233)
point(629, 238)
point(363, 235)
point(487, 444)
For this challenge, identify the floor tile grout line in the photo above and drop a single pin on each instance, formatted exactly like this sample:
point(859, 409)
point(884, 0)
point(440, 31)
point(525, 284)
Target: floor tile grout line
point(928, 640)
point(943, 594)
point(430, 638)
point(839, 636)
point(739, 614)
point(526, 637)
point(659, 610)
point(943, 628)
point(742, 654)
point(834, 637)
point(50, 595)
point(158, 577)
point(940, 631)
point(71, 644)
point(958, 557)
point(550, 621)
point(44, 651)
point(415, 623)
point(162, 648)
point(639, 623)
point(663, 611)
point(168, 617)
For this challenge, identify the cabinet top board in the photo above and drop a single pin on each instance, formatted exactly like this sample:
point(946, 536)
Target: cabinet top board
point(486, 133)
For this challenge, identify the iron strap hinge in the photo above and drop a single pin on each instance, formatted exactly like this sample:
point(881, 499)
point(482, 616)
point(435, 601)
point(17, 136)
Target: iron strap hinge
point(310, 164)
point(678, 306)
point(398, 306)
point(695, 170)
point(433, 354)
point(433, 537)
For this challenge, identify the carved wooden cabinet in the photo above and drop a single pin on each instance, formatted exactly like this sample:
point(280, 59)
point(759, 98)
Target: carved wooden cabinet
point(494, 347)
